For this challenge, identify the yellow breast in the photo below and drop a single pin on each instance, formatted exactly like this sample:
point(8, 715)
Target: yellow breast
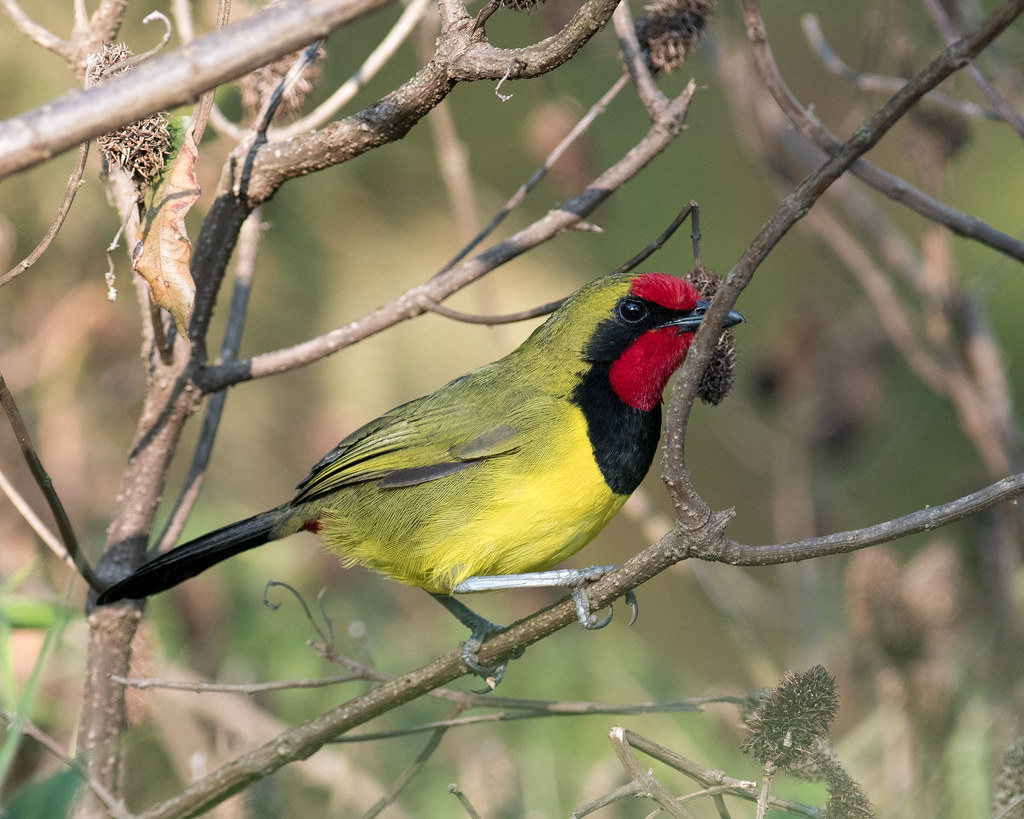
point(522, 512)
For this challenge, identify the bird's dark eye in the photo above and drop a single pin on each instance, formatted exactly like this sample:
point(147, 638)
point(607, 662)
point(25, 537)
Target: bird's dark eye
point(632, 311)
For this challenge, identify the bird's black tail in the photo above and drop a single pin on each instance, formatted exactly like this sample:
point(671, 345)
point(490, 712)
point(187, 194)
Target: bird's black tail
point(189, 559)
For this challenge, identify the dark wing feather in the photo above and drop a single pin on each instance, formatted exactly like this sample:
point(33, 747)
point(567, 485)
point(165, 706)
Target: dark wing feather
point(420, 441)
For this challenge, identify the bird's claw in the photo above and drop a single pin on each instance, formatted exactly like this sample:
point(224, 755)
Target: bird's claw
point(633, 605)
point(582, 599)
point(583, 614)
point(492, 675)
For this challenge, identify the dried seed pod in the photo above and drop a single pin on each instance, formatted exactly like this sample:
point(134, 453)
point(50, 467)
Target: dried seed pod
point(1008, 790)
point(669, 30)
point(257, 86)
point(718, 377)
point(519, 5)
point(792, 719)
point(140, 147)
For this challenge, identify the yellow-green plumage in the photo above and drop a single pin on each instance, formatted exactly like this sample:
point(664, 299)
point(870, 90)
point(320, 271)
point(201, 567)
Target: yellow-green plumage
point(508, 469)
point(474, 522)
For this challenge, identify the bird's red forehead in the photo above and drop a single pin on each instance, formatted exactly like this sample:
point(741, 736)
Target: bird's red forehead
point(668, 291)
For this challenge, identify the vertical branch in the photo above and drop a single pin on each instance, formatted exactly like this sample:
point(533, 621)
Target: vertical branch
point(45, 483)
point(688, 503)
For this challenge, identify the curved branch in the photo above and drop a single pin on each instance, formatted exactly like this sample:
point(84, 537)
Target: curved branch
point(176, 78)
point(460, 57)
point(924, 520)
point(865, 81)
point(36, 32)
point(74, 181)
point(950, 35)
point(476, 59)
point(440, 287)
point(689, 506)
point(892, 186)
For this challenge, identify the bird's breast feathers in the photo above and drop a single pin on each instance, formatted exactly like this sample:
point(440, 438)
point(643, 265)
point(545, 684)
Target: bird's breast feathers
point(523, 504)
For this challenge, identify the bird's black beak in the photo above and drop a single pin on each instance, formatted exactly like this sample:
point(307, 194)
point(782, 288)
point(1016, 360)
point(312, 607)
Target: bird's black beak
point(691, 321)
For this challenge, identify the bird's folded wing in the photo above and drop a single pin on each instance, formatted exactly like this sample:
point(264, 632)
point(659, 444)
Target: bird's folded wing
point(417, 442)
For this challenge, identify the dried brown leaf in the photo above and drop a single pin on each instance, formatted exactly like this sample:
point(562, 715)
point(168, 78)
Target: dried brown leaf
point(163, 253)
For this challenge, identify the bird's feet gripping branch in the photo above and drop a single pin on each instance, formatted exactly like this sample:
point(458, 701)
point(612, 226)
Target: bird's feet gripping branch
point(505, 471)
point(576, 580)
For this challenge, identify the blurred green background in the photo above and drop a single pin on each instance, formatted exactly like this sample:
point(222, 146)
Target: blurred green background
point(859, 440)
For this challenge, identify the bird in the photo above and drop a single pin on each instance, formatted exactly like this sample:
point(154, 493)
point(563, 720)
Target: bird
point(497, 476)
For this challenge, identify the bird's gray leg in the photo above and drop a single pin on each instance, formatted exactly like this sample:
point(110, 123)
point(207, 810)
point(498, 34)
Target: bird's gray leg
point(576, 580)
point(480, 629)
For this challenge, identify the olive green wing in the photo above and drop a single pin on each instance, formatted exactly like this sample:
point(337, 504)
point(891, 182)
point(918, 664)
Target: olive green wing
point(420, 441)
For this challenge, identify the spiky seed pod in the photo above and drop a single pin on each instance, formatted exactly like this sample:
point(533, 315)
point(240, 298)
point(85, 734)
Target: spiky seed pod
point(1008, 789)
point(876, 609)
point(814, 766)
point(669, 30)
point(258, 85)
point(791, 719)
point(846, 798)
point(140, 147)
point(520, 5)
point(717, 379)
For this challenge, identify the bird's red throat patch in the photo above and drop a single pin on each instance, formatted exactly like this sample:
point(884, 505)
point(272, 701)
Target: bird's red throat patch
point(640, 374)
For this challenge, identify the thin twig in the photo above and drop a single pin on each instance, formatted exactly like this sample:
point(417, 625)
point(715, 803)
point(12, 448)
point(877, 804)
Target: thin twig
point(923, 520)
point(45, 484)
point(74, 183)
point(520, 194)
point(866, 81)
point(39, 34)
point(407, 775)
point(467, 806)
point(629, 790)
point(657, 244)
point(135, 59)
point(530, 710)
point(114, 805)
point(474, 318)
point(951, 35)
point(715, 782)
point(893, 318)
point(22, 507)
point(204, 105)
point(764, 794)
point(653, 98)
point(306, 58)
point(888, 184)
point(378, 58)
point(200, 687)
point(647, 784)
point(182, 10)
point(451, 152)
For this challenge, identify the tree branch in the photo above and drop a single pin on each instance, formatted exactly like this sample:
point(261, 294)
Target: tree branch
point(437, 289)
point(924, 520)
point(176, 78)
point(689, 506)
point(886, 183)
point(460, 57)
